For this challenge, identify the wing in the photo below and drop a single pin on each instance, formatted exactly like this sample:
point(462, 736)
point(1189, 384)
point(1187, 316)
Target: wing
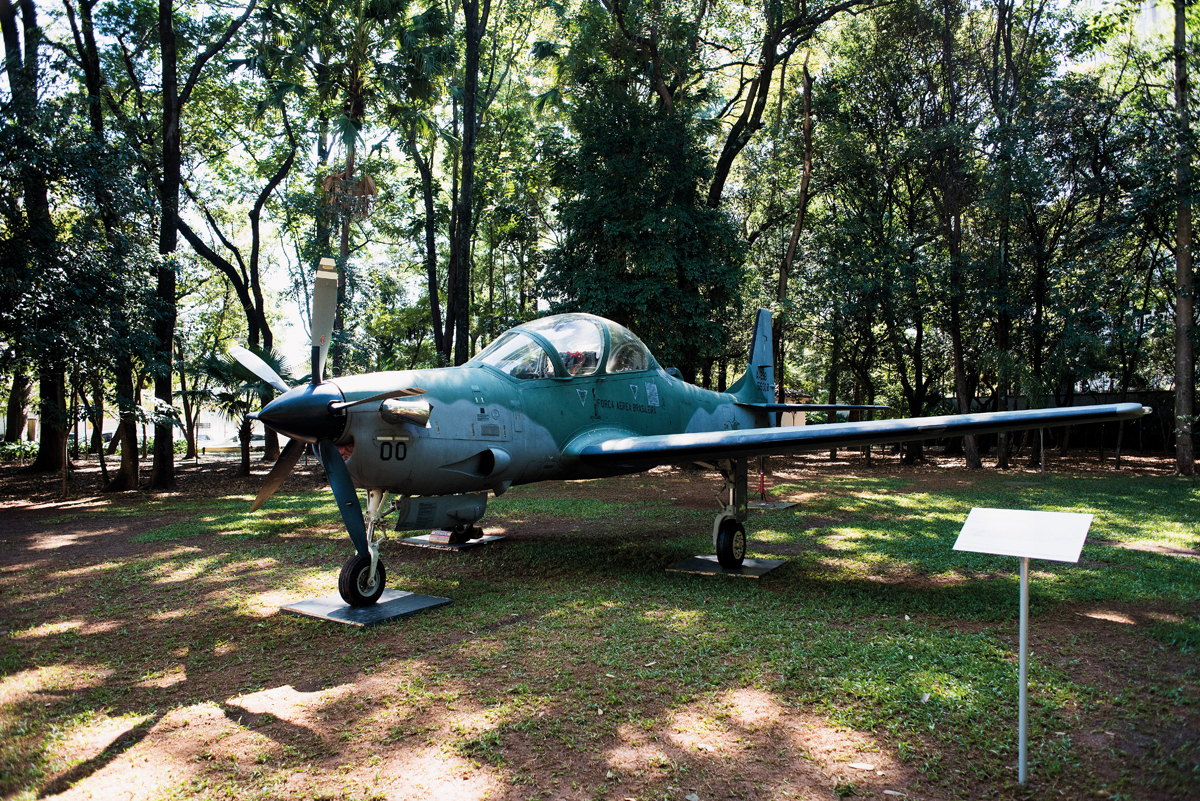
point(644, 452)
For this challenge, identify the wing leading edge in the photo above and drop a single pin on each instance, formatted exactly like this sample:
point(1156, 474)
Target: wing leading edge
point(645, 452)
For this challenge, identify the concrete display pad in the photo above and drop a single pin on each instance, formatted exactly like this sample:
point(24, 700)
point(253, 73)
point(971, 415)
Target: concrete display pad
point(391, 605)
point(423, 542)
point(709, 566)
point(772, 504)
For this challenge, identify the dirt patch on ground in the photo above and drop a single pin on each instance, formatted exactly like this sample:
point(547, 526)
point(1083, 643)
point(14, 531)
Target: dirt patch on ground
point(171, 673)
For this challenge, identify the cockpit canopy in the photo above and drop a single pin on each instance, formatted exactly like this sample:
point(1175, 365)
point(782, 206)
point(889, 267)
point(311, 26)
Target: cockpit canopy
point(567, 345)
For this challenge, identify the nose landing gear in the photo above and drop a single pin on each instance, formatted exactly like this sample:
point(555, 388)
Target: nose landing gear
point(363, 577)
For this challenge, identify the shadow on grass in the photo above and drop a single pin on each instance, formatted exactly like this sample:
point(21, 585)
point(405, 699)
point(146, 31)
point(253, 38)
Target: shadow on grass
point(548, 629)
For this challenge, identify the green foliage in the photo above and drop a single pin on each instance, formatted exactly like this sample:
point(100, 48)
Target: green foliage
point(602, 130)
point(14, 451)
point(641, 247)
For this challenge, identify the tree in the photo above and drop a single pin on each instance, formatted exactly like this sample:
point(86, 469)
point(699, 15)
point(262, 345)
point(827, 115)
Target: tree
point(475, 19)
point(235, 392)
point(34, 249)
point(1185, 307)
point(641, 246)
point(174, 99)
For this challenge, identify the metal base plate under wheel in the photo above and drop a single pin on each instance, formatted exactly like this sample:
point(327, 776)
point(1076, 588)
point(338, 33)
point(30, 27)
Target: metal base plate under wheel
point(423, 541)
point(391, 605)
point(771, 504)
point(709, 566)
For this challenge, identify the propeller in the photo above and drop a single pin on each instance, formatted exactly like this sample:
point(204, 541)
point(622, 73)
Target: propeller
point(344, 493)
point(283, 468)
point(315, 412)
point(324, 313)
point(258, 367)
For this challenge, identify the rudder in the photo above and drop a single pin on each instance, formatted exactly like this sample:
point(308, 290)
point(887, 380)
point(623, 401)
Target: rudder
point(758, 383)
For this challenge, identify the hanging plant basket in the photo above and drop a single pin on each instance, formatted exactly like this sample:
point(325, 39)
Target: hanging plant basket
point(351, 199)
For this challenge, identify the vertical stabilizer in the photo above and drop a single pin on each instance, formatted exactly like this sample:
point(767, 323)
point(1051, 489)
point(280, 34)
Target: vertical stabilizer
point(758, 383)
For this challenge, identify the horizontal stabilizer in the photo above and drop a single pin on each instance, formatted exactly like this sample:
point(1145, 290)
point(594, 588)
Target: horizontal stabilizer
point(809, 407)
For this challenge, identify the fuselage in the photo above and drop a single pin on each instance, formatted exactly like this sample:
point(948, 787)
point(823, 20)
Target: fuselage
point(519, 412)
point(488, 430)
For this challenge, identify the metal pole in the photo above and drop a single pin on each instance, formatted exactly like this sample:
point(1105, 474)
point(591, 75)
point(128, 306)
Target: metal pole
point(1042, 448)
point(1023, 719)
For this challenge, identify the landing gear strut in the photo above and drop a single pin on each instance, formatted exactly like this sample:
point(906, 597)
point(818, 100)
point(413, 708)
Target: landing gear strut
point(363, 576)
point(729, 535)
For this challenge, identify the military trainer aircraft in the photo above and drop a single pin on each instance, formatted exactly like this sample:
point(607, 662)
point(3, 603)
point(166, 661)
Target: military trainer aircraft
point(564, 397)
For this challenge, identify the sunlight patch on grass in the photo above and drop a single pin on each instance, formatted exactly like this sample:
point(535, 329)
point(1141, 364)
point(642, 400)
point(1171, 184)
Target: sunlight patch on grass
point(47, 629)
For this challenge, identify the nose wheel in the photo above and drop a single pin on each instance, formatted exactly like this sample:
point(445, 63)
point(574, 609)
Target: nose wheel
point(356, 584)
point(362, 579)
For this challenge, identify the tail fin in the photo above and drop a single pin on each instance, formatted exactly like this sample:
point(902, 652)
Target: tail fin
point(757, 385)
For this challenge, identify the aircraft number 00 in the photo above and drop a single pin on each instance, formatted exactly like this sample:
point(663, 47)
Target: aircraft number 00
point(392, 450)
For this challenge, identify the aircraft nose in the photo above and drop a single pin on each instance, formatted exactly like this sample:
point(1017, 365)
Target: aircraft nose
point(303, 413)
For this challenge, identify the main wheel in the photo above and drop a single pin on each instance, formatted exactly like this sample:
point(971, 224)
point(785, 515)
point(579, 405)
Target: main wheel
point(731, 544)
point(355, 585)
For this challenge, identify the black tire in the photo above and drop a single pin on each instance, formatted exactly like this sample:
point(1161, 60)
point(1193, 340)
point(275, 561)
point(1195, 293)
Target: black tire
point(352, 583)
point(731, 544)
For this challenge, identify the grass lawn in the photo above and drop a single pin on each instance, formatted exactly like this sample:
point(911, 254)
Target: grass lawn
point(143, 654)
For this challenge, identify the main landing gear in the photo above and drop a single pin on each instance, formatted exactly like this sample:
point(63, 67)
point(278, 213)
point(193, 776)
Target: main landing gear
point(363, 577)
point(729, 535)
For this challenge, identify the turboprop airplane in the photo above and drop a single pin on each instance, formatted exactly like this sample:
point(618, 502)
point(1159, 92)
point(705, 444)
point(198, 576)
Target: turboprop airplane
point(565, 397)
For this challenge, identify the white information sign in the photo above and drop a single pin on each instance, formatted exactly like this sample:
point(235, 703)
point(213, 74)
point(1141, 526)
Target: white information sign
point(1057, 536)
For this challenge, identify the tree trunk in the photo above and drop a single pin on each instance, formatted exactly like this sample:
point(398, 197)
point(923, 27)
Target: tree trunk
point(1065, 443)
point(431, 256)
point(97, 413)
point(162, 474)
point(339, 318)
point(476, 23)
point(52, 420)
point(953, 199)
point(18, 404)
point(832, 379)
point(1185, 358)
point(245, 429)
point(189, 422)
point(126, 477)
point(23, 81)
point(785, 268)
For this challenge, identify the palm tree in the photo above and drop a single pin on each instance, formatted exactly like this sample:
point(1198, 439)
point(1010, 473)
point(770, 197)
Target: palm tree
point(235, 392)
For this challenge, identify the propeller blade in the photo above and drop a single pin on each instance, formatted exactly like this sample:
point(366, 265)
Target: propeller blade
point(344, 493)
point(257, 366)
point(324, 310)
point(282, 469)
point(396, 393)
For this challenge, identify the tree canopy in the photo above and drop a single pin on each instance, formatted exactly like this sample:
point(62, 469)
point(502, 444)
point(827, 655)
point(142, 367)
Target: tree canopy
point(949, 205)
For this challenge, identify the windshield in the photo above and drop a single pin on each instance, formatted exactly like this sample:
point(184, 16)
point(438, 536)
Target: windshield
point(517, 355)
point(578, 340)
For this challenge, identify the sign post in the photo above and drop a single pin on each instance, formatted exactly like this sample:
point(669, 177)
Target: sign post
point(1057, 536)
